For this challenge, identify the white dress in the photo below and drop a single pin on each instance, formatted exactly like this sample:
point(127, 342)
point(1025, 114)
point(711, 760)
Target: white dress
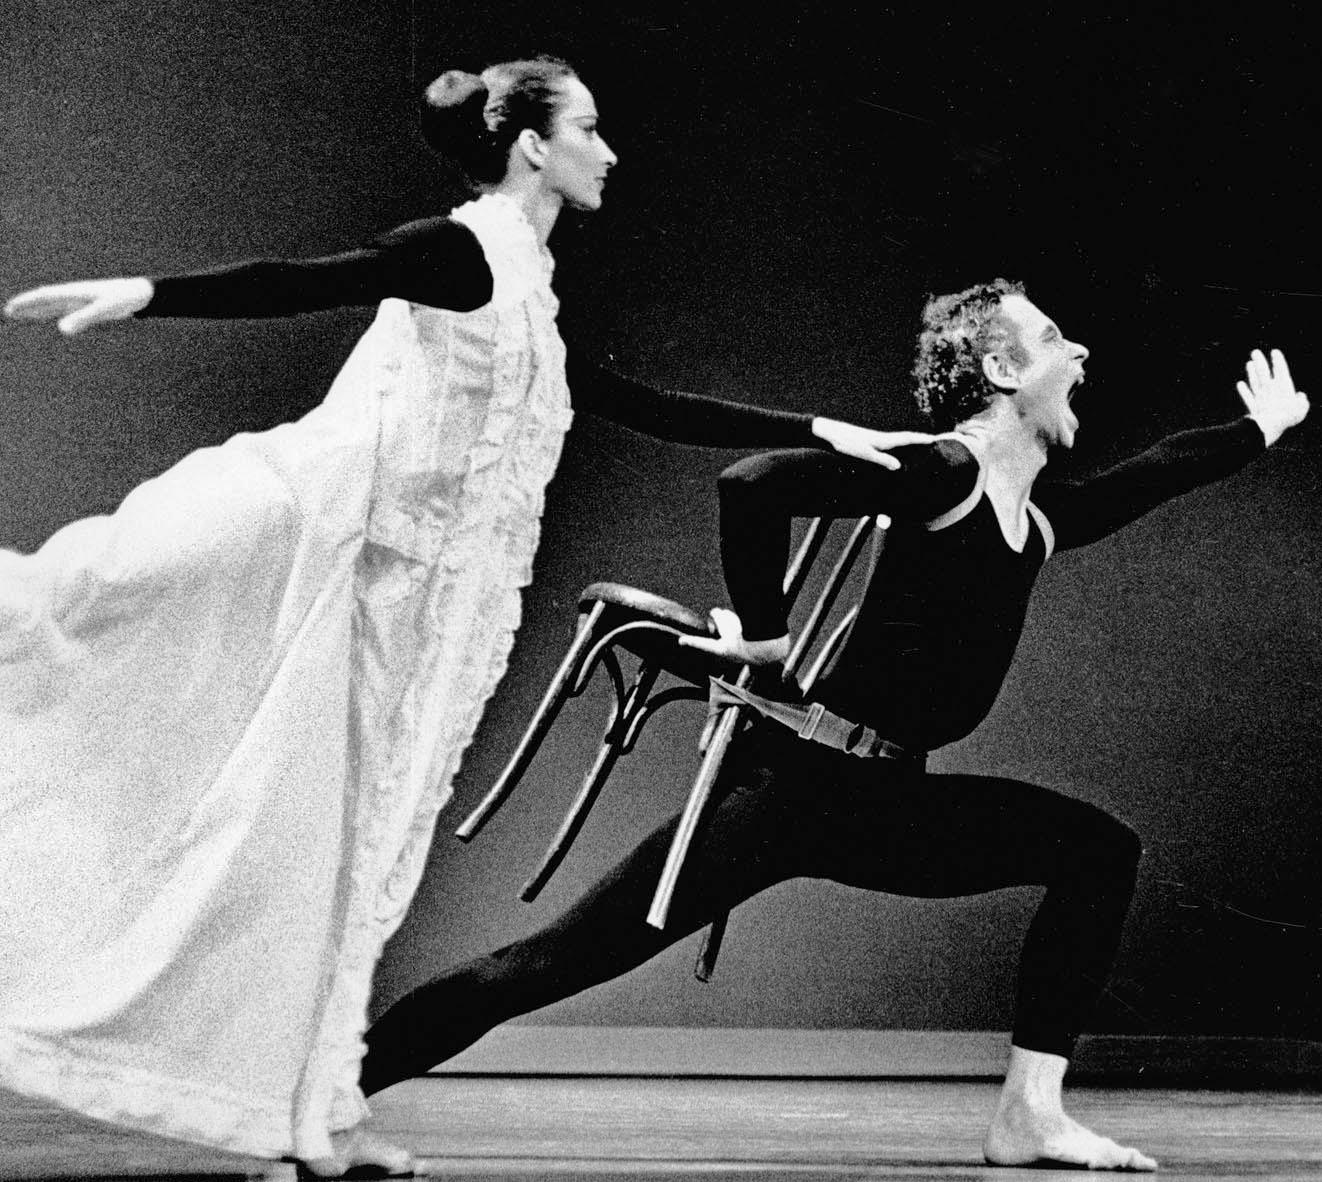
point(230, 711)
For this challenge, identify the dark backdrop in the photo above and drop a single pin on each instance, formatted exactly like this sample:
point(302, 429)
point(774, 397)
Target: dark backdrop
point(790, 187)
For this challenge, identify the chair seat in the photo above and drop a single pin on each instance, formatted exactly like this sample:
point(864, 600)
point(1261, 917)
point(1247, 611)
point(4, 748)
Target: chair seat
point(648, 624)
point(614, 617)
point(647, 606)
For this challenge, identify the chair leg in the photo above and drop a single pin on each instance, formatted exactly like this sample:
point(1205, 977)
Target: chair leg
point(612, 747)
point(556, 694)
point(573, 822)
point(694, 807)
point(711, 947)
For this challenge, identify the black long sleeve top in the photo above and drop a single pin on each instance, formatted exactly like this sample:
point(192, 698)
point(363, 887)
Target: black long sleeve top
point(942, 616)
point(439, 262)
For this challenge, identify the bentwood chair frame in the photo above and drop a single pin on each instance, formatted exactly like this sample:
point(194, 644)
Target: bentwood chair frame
point(613, 617)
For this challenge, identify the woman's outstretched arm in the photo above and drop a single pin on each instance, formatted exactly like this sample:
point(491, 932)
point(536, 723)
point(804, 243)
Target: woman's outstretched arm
point(699, 419)
point(437, 262)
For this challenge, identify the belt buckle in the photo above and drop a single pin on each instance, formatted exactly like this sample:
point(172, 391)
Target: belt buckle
point(811, 719)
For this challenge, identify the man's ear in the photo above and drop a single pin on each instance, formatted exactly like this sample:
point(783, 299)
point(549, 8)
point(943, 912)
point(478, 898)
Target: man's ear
point(999, 371)
point(532, 146)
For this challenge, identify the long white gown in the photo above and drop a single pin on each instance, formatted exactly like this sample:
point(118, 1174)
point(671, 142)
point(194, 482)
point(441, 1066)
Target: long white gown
point(230, 711)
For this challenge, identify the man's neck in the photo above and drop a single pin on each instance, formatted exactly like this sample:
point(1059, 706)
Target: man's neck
point(1012, 452)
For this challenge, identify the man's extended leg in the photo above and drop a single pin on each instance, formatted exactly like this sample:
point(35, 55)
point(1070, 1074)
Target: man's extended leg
point(605, 933)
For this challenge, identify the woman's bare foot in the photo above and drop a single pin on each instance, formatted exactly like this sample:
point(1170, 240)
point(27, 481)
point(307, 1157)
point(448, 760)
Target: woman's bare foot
point(1030, 1125)
point(363, 1153)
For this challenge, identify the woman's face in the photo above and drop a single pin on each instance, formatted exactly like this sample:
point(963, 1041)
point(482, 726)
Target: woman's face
point(577, 158)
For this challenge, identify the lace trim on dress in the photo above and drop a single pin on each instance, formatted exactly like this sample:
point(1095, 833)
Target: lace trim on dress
point(77, 1078)
point(466, 457)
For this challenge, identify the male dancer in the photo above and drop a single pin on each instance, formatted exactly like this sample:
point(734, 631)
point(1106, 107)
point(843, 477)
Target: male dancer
point(923, 664)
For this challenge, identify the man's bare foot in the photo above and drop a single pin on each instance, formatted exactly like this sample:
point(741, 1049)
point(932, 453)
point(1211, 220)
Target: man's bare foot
point(1019, 1137)
point(1030, 1126)
point(363, 1153)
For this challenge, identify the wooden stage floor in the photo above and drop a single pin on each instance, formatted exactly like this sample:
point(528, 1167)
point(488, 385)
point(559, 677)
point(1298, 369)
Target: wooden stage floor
point(560, 1128)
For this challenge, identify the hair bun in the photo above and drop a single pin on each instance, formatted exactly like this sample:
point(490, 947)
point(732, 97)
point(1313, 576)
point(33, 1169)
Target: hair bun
point(453, 88)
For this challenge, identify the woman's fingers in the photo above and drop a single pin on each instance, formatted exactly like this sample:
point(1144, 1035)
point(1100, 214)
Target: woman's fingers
point(40, 304)
point(90, 313)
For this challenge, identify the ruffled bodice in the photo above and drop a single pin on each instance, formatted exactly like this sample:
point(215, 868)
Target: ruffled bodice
point(477, 408)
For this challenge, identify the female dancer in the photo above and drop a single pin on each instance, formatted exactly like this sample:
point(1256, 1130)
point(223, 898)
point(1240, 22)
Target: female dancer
point(233, 708)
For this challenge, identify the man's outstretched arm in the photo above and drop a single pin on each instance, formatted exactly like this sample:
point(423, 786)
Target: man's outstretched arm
point(1083, 511)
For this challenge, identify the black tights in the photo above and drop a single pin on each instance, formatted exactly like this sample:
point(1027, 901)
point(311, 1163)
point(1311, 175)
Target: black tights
point(786, 808)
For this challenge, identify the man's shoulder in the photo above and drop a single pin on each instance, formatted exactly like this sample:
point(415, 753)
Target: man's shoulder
point(944, 457)
point(938, 476)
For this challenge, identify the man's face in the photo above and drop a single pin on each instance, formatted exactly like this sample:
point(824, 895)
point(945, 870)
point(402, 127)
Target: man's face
point(577, 158)
point(1044, 385)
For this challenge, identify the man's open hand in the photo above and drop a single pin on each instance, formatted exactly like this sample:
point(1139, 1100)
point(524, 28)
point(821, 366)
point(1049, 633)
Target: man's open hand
point(1273, 402)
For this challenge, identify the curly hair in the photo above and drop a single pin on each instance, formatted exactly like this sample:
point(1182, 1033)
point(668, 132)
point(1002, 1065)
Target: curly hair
point(959, 330)
point(473, 120)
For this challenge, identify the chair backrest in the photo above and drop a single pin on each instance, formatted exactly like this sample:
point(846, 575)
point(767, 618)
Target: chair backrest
point(820, 634)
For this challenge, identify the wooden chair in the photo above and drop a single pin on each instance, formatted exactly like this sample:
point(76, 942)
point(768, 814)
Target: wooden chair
point(614, 620)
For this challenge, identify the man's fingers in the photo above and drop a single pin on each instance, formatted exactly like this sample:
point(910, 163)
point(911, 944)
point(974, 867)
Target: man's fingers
point(706, 644)
point(1281, 368)
point(1258, 371)
point(885, 459)
point(1245, 393)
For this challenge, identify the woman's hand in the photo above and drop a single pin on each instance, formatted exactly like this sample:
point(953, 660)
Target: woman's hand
point(82, 304)
point(1273, 402)
point(865, 444)
point(729, 642)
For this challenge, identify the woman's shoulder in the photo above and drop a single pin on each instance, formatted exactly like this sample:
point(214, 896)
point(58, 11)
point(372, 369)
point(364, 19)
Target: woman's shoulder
point(429, 234)
point(436, 261)
point(520, 264)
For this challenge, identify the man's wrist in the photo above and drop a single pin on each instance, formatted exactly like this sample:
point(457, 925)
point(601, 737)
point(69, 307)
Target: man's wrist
point(1271, 429)
point(767, 652)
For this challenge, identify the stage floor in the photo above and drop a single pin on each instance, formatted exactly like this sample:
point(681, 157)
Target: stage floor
point(748, 1129)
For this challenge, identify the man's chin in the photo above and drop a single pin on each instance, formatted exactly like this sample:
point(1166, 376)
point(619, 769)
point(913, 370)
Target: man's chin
point(1064, 436)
